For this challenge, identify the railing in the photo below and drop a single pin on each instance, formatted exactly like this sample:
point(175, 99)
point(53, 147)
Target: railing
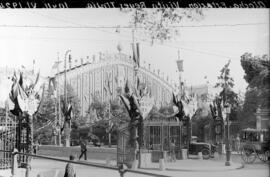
point(121, 169)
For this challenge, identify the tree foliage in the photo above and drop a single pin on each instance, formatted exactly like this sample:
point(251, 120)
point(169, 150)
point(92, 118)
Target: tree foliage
point(201, 119)
point(160, 24)
point(45, 119)
point(257, 76)
point(257, 94)
point(103, 117)
point(227, 95)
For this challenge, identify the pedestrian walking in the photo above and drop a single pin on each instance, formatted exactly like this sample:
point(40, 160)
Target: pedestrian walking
point(70, 169)
point(35, 147)
point(83, 150)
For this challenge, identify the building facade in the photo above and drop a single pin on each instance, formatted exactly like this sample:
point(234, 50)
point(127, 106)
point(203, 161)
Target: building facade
point(106, 76)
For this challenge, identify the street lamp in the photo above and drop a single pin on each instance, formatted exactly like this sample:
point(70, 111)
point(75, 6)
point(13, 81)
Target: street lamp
point(228, 149)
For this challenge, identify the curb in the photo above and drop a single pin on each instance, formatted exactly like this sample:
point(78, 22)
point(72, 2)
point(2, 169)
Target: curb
point(206, 170)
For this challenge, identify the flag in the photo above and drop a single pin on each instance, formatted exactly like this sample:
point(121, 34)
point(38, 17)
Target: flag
point(56, 64)
point(180, 65)
point(146, 104)
point(54, 68)
point(52, 84)
point(136, 54)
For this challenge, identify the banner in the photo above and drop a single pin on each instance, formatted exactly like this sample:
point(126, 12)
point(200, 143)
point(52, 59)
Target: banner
point(136, 53)
point(146, 105)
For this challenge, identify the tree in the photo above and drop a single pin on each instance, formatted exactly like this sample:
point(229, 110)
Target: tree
point(98, 115)
point(257, 94)
point(227, 95)
point(160, 24)
point(45, 119)
point(200, 120)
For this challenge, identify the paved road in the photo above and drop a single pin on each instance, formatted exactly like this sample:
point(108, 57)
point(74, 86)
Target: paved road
point(258, 169)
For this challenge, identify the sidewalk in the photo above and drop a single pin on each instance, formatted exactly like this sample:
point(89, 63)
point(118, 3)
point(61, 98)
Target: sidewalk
point(194, 165)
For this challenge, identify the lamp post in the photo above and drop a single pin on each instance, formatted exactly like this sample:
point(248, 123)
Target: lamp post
point(228, 149)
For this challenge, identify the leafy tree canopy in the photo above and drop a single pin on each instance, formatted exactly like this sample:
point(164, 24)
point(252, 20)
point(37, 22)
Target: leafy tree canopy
point(45, 119)
point(257, 95)
point(160, 24)
point(257, 76)
point(226, 83)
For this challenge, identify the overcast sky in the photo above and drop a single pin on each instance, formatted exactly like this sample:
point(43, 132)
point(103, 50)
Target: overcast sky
point(204, 50)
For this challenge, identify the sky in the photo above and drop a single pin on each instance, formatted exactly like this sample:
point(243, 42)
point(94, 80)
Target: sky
point(205, 50)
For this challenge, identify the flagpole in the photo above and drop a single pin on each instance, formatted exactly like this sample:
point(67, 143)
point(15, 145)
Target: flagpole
point(65, 95)
point(180, 76)
point(34, 66)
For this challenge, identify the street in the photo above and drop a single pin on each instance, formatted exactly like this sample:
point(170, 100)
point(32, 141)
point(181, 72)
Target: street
point(257, 169)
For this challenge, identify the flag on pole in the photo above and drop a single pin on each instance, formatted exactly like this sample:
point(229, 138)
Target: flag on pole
point(56, 64)
point(52, 84)
point(180, 65)
point(136, 53)
point(54, 68)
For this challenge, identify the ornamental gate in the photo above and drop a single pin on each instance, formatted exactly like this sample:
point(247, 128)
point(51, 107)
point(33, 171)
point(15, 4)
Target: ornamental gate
point(23, 139)
point(14, 133)
point(7, 138)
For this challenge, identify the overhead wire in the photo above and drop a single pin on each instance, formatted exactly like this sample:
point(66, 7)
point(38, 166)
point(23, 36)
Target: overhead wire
point(129, 27)
point(101, 28)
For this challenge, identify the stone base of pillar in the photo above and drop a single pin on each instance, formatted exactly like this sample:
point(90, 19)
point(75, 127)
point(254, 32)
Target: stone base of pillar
point(162, 164)
point(184, 154)
point(228, 163)
point(135, 165)
point(67, 143)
